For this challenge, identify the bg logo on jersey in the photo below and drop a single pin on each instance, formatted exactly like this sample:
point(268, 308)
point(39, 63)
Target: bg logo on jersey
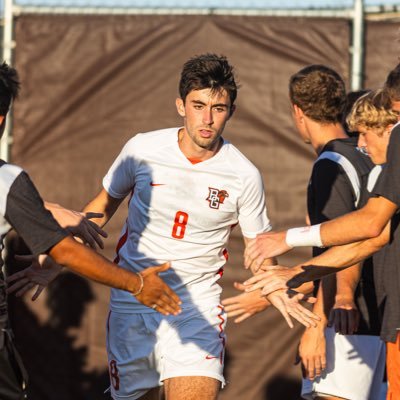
point(216, 197)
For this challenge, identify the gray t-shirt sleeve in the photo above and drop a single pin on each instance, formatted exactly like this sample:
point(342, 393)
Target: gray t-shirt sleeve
point(26, 213)
point(388, 184)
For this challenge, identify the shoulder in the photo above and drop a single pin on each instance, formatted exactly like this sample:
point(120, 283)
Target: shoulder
point(396, 128)
point(395, 135)
point(238, 162)
point(346, 153)
point(8, 174)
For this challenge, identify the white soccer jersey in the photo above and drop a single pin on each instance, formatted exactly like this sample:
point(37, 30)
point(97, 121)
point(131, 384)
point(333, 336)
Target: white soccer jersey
point(183, 213)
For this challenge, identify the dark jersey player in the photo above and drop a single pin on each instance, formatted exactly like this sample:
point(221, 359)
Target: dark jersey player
point(22, 208)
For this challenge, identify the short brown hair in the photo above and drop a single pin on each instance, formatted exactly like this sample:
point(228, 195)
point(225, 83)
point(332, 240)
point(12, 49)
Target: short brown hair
point(372, 111)
point(319, 92)
point(208, 71)
point(392, 84)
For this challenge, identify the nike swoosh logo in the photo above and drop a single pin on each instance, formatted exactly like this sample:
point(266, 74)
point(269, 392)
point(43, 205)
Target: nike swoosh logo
point(210, 357)
point(157, 184)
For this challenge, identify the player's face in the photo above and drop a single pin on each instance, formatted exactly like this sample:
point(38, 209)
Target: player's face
point(205, 114)
point(374, 142)
point(396, 108)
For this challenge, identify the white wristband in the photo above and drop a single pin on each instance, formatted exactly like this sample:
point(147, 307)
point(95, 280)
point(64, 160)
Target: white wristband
point(304, 236)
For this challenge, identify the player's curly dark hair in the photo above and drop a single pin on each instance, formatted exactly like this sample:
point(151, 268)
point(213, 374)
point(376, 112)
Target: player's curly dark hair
point(9, 87)
point(208, 71)
point(319, 92)
point(392, 84)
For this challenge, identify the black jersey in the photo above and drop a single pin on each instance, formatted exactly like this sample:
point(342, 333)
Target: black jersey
point(22, 208)
point(336, 186)
point(387, 263)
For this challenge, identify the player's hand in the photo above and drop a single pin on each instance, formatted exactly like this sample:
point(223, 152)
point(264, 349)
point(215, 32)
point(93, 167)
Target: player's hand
point(344, 316)
point(79, 224)
point(86, 230)
point(244, 305)
point(288, 302)
point(274, 277)
point(157, 294)
point(39, 274)
point(265, 245)
point(312, 352)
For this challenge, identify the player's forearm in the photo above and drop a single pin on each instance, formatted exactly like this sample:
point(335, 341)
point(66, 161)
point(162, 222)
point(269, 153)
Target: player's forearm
point(326, 296)
point(347, 281)
point(339, 257)
point(323, 303)
point(105, 204)
point(365, 223)
point(88, 263)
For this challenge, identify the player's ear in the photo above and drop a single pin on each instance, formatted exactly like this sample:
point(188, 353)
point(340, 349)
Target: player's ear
point(297, 111)
point(388, 130)
point(180, 106)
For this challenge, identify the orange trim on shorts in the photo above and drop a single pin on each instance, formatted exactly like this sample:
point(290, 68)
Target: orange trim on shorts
point(221, 334)
point(393, 369)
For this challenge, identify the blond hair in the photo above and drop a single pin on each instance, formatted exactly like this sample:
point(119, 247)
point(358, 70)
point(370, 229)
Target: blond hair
point(372, 111)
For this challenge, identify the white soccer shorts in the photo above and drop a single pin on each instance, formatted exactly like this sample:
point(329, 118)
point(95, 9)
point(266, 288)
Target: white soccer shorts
point(145, 349)
point(354, 368)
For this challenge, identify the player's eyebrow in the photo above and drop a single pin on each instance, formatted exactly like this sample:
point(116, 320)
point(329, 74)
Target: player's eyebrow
point(201, 103)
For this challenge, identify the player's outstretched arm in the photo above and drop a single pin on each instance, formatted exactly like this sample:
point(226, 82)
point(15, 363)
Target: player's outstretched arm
point(103, 204)
point(244, 305)
point(147, 286)
point(331, 261)
point(366, 223)
point(79, 224)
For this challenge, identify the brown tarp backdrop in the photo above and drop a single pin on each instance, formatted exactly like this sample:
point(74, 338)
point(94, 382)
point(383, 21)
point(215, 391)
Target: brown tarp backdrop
point(89, 83)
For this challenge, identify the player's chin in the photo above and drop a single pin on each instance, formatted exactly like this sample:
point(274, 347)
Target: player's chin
point(207, 143)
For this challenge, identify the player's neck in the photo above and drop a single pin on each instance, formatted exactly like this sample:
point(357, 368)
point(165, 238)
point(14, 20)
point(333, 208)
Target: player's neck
point(324, 133)
point(193, 152)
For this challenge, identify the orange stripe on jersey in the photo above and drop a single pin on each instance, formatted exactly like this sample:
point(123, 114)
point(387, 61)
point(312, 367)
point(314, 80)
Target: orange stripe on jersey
point(220, 272)
point(194, 160)
point(122, 240)
point(225, 254)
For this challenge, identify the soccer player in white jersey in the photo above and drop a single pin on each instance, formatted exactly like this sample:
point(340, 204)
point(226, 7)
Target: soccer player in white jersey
point(188, 188)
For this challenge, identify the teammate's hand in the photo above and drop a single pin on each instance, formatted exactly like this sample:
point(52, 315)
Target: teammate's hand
point(86, 230)
point(39, 274)
point(288, 302)
point(312, 352)
point(344, 316)
point(265, 245)
point(79, 224)
point(274, 277)
point(244, 305)
point(157, 294)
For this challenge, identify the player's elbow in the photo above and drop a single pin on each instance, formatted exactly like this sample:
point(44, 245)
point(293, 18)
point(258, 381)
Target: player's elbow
point(374, 228)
